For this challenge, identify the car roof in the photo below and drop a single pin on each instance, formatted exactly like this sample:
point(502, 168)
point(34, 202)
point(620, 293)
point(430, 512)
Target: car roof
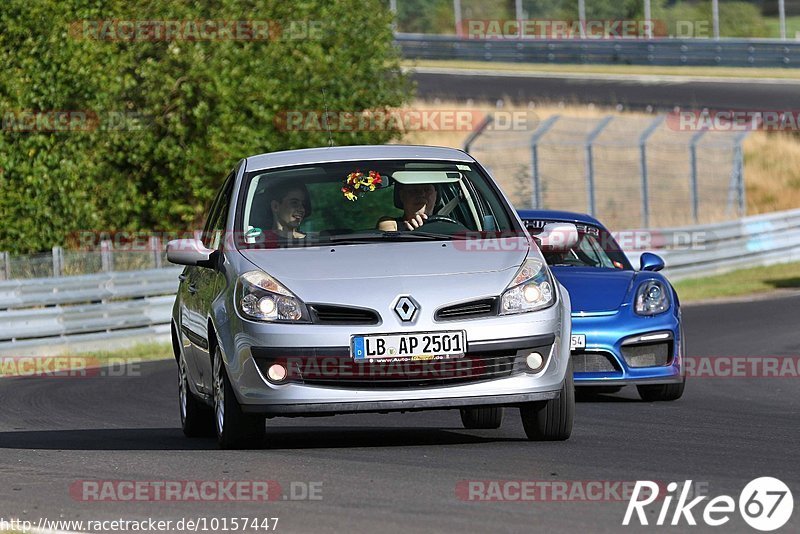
point(353, 153)
point(559, 216)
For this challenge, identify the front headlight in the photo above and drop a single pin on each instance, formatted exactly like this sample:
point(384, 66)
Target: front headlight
point(262, 298)
point(652, 298)
point(531, 289)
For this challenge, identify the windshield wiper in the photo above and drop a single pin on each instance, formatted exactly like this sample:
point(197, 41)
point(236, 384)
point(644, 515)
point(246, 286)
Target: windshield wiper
point(385, 236)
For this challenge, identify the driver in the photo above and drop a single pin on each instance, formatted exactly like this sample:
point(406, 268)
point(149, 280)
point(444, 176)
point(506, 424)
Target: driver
point(417, 202)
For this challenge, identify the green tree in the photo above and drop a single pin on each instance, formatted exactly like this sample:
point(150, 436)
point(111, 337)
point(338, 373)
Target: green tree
point(199, 105)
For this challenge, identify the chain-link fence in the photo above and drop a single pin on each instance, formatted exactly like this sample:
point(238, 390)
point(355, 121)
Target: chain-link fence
point(630, 172)
point(60, 262)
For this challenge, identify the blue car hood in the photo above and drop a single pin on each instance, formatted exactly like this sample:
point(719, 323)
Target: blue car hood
point(595, 290)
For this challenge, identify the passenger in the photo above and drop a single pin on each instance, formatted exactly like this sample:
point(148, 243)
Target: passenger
point(290, 205)
point(417, 202)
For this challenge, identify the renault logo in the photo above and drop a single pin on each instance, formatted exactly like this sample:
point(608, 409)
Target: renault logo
point(406, 308)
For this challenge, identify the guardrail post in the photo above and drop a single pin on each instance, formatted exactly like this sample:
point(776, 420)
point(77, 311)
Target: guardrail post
point(6, 266)
point(590, 160)
point(106, 255)
point(650, 130)
point(693, 178)
point(155, 246)
point(58, 262)
point(538, 133)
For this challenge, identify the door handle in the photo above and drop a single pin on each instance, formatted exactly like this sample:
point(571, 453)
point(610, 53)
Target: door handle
point(192, 289)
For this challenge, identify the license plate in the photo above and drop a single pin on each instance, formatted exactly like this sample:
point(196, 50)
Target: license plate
point(577, 341)
point(418, 346)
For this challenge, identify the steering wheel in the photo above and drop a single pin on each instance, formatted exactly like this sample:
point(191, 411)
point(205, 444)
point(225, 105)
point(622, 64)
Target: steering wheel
point(441, 218)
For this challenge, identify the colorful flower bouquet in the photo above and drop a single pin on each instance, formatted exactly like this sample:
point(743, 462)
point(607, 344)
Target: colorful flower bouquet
point(357, 184)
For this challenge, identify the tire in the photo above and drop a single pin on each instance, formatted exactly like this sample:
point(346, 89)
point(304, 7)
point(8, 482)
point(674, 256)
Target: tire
point(235, 429)
point(197, 418)
point(485, 417)
point(551, 420)
point(662, 392)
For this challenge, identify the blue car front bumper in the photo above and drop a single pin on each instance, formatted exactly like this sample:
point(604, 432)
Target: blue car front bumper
point(624, 348)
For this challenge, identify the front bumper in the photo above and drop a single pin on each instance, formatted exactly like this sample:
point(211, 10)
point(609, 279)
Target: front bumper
point(626, 349)
point(253, 343)
point(396, 406)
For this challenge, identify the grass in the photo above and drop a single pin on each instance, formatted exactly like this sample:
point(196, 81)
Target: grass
point(74, 361)
point(740, 283)
point(792, 26)
point(649, 70)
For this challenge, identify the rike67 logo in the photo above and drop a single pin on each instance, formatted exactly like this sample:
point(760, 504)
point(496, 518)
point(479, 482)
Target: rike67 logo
point(765, 504)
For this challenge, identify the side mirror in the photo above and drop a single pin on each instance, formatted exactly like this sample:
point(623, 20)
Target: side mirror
point(558, 236)
point(650, 262)
point(189, 252)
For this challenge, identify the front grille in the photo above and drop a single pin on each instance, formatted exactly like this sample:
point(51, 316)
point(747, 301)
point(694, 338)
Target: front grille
point(648, 355)
point(467, 310)
point(338, 370)
point(330, 314)
point(593, 362)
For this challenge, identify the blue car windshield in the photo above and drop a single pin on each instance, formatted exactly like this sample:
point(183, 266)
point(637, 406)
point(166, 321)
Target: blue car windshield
point(359, 202)
point(595, 247)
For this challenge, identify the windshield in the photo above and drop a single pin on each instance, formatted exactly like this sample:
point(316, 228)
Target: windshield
point(368, 201)
point(595, 247)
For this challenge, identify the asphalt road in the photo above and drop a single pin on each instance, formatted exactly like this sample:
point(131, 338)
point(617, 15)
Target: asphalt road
point(632, 92)
point(398, 473)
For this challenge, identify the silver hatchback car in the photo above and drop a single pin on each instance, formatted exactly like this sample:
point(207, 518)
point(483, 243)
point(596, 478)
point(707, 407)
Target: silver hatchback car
point(367, 279)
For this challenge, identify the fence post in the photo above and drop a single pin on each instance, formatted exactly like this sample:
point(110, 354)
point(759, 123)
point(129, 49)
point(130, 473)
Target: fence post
point(106, 255)
point(6, 266)
point(155, 246)
point(477, 132)
point(590, 160)
point(650, 130)
point(536, 197)
point(736, 189)
point(693, 178)
point(58, 262)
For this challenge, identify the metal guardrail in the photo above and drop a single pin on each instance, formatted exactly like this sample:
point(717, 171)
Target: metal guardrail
point(113, 306)
point(680, 52)
point(79, 309)
point(718, 248)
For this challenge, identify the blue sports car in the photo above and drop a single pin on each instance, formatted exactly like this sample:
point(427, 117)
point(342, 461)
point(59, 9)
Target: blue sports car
point(626, 324)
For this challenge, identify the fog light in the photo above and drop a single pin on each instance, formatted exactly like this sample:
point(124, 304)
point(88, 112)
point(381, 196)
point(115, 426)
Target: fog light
point(534, 360)
point(276, 372)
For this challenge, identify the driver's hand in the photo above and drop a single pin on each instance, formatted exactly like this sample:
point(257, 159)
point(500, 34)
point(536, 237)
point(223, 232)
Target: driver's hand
point(415, 222)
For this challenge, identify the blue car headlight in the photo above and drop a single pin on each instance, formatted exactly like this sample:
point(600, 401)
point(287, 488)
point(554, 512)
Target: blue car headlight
point(652, 298)
point(532, 289)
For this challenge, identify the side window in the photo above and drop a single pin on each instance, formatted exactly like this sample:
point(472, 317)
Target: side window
point(215, 225)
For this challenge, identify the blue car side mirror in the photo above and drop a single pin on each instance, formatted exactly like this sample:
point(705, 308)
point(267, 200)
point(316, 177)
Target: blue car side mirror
point(651, 262)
